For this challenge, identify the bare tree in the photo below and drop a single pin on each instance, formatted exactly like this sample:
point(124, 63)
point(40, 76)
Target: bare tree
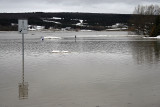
point(157, 10)
point(147, 10)
point(143, 19)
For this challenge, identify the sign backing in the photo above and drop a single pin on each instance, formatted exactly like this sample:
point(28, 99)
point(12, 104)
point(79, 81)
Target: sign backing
point(23, 26)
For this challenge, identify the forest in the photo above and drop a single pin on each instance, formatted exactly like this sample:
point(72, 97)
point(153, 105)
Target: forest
point(140, 23)
point(95, 21)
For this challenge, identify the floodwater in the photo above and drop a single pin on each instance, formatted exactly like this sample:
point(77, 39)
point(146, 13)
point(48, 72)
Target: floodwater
point(98, 69)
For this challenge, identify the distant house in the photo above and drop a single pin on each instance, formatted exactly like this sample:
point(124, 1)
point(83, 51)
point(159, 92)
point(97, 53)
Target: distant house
point(117, 26)
point(34, 27)
point(81, 23)
point(40, 27)
point(68, 28)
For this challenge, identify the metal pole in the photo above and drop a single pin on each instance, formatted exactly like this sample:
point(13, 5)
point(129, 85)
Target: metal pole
point(23, 58)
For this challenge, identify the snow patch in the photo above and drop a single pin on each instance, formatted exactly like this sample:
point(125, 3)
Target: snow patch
point(58, 51)
point(51, 37)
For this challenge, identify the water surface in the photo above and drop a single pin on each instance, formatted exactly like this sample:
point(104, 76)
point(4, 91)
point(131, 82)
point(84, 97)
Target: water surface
point(101, 69)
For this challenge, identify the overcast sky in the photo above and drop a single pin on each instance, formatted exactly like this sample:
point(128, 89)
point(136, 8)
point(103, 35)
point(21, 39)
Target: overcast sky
point(94, 6)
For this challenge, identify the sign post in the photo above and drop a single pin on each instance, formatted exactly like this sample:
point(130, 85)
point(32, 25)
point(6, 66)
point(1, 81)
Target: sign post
point(23, 29)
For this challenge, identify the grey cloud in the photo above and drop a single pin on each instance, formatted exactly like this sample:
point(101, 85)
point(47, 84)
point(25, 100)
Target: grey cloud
point(83, 1)
point(104, 6)
point(101, 1)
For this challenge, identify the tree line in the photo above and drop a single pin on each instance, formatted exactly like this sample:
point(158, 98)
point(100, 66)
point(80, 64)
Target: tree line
point(146, 20)
point(93, 21)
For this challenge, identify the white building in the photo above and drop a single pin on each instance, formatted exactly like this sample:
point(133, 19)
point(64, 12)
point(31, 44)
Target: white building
point(34, 27)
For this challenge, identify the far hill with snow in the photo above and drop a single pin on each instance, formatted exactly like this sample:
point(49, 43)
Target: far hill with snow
point(93, 21)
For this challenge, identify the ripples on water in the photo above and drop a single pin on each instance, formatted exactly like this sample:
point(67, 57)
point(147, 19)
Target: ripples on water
point(99, 71)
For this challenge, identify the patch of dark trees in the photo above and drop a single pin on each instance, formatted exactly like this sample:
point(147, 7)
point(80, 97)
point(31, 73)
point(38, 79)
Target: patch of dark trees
point(141, 24)
point(93, 21)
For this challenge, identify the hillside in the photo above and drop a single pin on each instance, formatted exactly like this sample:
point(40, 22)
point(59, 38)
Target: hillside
point(95, 21)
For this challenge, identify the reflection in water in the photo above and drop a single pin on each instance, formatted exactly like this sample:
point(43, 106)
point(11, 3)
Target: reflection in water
point(23, 87)
point(147, 52)
point(23, 90)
